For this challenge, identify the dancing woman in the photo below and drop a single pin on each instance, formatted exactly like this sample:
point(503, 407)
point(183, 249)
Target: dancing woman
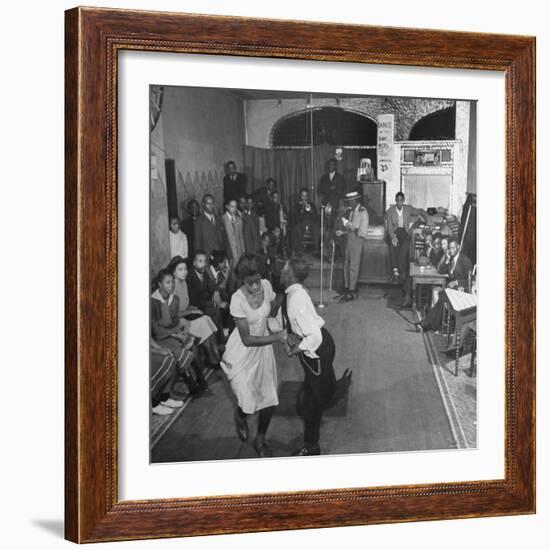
point(249, 361)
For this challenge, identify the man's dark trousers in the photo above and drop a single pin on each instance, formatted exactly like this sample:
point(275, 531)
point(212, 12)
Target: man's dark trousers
point(319, 387)
point(399, 255)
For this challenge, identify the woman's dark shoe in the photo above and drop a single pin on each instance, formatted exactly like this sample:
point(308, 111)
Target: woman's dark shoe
point(242, 427)
point(262, 449)
point(308, 450)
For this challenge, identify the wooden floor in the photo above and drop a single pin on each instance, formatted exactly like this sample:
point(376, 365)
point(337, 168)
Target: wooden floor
point(394, 402)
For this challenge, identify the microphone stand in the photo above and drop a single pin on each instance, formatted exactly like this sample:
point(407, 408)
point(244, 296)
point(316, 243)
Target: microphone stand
point(321, 305)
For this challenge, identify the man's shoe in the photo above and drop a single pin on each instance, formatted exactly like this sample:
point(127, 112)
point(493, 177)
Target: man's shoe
point(348, 297)
point(172, 403)
point(341, 293)
point(308, 450)
point(161, 410)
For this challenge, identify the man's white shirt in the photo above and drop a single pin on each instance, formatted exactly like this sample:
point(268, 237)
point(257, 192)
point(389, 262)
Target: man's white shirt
point(304, 320)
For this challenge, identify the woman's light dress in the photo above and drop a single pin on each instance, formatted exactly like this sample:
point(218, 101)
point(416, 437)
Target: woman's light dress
point(200, 328)
point(251, 370)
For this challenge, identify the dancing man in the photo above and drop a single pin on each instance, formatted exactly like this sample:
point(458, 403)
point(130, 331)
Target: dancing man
point(314, 346)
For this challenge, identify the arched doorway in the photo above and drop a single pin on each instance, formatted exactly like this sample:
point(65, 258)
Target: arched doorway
point(331, 126)
point(435, 126)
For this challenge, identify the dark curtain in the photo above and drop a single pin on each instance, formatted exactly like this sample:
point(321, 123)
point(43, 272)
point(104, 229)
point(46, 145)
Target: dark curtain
point(292, 169)
point(468, 233)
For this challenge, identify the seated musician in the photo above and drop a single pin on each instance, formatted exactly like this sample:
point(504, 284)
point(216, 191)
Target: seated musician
point(457, 267)
point(275, 213)
point(262, 196)
point(305, 218)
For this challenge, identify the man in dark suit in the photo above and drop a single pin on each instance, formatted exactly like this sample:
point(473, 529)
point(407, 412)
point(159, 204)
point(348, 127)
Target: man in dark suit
point(251, 227)
point(457, 267)
point(234, 183)
point(208, 228)
point(305, 218)
point(332, 186)
point(203, 292)
point(262, 196)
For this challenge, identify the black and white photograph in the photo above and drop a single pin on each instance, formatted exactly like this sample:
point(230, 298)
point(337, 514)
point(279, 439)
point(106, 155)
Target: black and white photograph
point(312, 274)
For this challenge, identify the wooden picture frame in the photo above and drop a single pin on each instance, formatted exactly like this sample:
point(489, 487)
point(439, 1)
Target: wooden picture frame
point(93, 510)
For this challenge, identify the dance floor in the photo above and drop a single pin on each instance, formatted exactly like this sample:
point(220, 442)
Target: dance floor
point(394, 402)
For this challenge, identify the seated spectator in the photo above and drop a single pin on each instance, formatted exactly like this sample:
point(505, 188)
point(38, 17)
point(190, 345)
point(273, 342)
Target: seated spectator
point(222, 274)
point(251, 227)
point(445, 253)
point(164, 375)
point(436, 252)
point(305, 219)
point(192, 319)
point(203, 293)
point(457, 267)
point(226, 283)
point(178, 239)
point(278, 243)
point(168, 332)
point(188, 224)
point(233, 226)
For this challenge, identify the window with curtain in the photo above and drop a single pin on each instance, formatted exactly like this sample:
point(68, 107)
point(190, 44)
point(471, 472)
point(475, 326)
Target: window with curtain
point(427, 190)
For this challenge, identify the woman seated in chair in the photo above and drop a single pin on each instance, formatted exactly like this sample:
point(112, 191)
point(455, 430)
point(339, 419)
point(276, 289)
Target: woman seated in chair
point(191, 318)
point(169, 332)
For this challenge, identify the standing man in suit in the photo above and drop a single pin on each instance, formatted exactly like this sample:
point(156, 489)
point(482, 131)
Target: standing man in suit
point(332, 186)
point(312, 343)
point(457, 267)
point(398, 219)
point(356, 228)
point(251, 227)
point(234, 183)
point(233, 226)
point(208, 228)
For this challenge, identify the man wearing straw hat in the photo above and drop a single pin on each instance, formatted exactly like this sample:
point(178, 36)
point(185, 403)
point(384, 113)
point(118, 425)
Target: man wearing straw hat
point(356, 228)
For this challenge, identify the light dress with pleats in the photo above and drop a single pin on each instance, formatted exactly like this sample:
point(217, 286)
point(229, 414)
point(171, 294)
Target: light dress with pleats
point(251, 371)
